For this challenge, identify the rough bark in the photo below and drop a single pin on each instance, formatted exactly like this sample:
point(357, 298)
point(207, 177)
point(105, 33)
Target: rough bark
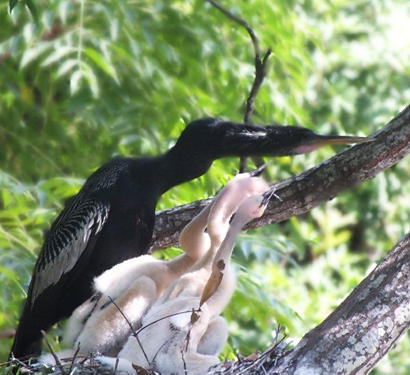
point(363, 328)
point(309, 189)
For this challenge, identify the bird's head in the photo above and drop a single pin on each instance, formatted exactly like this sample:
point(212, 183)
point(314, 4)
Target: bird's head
point(296, 140)
point(208, 139)
point(214, 138)
point(199, 137)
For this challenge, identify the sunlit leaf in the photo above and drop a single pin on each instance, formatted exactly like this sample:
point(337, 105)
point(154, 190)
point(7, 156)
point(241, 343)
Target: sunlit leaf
point(91, 79)
point(75, 81)
point(58, 55)
point(33, 53)
point(33, 9)
point(12, 4)
point(102, 63)
point(66, 66)
point(64, 9)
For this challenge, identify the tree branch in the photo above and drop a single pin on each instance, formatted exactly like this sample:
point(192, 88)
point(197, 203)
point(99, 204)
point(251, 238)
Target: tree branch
point(354, 338)
point(261, 66)
point(364, 327)
point(309, 189)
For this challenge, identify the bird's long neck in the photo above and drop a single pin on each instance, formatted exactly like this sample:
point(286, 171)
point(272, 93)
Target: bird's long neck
point(225, 250)
point(194, 241)
point(176, 167)
point(194, 152)
point(206, 261)
point(206, 140)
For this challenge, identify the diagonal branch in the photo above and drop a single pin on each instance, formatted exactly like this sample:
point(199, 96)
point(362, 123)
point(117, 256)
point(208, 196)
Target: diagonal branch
point(353, 338)
point(302, 192)
point(363, 328)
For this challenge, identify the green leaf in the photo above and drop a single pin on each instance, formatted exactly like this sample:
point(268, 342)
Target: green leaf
point(102, 63)
point(91, 79)
point(59, 53)
point(33, 53)
point(12, 4)
point(32, 7)
point(75, 81)
point(66, 66)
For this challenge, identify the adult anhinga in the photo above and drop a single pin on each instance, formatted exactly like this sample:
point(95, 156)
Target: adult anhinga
point(111, 219)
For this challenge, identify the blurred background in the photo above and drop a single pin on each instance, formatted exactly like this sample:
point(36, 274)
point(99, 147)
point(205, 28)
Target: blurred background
point(84, 81)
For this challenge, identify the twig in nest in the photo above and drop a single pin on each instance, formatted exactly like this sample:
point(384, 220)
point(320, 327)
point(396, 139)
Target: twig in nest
point(15, 361)
point(255, 364)
point(116, 365)
point(74, 358)
point(183, 361)
point(260, 70)
point(134, 333)
point(53, 353)
point(166, 317)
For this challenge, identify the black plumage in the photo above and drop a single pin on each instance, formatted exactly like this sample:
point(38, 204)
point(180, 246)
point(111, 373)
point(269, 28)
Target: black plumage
point(111, 219)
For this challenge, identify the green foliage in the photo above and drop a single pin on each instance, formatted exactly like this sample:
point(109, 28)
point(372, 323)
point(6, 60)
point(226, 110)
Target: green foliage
point(84, 81)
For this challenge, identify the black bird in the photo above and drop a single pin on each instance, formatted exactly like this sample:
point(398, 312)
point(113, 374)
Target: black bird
point(111, 219)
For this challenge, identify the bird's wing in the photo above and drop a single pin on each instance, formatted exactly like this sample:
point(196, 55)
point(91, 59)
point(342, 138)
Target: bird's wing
point(77, 225)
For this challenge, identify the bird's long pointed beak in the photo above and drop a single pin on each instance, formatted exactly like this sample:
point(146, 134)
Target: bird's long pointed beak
point(323, 140)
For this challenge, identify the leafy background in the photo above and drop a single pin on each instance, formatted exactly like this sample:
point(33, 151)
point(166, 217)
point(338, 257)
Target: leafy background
point(83, 81)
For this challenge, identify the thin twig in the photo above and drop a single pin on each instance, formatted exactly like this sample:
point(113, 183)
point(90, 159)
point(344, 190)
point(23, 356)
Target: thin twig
point(260, 74)
point(242, 22)
point(74, 358)
point(53, 353)
point(18, 361)
point(260, 71)
point(134, 333)
point(260, 64)
point(183, 361)
point(166, 342)
point(116, 365)
point(166, 317)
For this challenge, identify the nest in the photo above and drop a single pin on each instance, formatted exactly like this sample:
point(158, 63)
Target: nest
point(257, 363)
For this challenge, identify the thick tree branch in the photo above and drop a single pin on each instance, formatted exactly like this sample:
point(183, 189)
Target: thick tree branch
point(363, 328)
point(309, 189)
point(354, 338)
